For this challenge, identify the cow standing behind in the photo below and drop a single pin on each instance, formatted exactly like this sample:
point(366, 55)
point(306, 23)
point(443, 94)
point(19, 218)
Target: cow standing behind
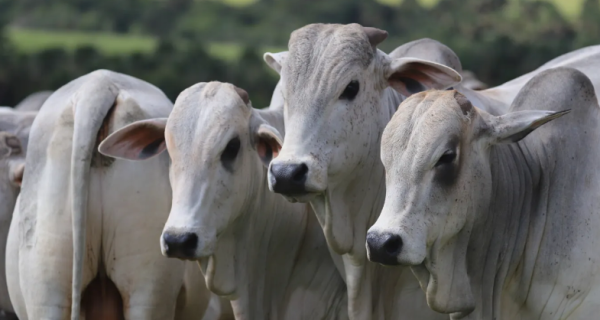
point(496, 220)
point(265, 254)
point(338, 100)
point(14, 137)
point(85, 219)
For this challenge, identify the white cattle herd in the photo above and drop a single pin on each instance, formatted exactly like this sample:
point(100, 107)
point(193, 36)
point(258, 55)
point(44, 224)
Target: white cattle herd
point(375, 186)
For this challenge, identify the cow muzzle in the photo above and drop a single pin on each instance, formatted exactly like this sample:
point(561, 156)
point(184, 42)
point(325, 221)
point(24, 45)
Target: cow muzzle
point(179, 245)
point(384, 248)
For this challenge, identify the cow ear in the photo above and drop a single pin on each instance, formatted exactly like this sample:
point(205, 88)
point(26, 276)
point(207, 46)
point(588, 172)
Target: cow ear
point(137, 141)
point(515, 126)
point(411, 75)
point(16, 173)
point(9, 144)
point(268, 143)
point(275, 60)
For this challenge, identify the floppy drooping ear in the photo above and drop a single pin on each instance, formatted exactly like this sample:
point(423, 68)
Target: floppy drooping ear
point(275, 60)
point(411, 75)
point(268, 143)
point(136, 141)
point(515, 126)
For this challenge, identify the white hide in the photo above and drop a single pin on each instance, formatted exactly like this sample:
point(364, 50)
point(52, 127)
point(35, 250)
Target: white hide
point(14, 136)
point(111, 211)
point(265, 254)
point(337, 139)
point(497, 100)
point(508, 226)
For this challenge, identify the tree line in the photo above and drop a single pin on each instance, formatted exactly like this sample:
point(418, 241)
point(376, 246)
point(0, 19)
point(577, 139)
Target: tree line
point(497, 39)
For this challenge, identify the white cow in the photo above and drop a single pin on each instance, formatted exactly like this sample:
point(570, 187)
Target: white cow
point(497, 222)
point(14, 136)
point(85, 220)
point(497, 100)
point(265, 254)
point(34, 101)
point(338, 100)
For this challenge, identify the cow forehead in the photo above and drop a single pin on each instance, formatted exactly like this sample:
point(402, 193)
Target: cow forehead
point(205, 113)
point(421, 122)
point(321, 53)
point(214, 102)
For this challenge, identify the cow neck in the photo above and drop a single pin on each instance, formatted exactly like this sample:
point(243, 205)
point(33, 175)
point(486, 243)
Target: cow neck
point(267, 238)
point(359, 200)
point(500, 235)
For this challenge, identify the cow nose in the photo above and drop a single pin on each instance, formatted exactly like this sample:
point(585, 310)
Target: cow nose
point(384, 248)
point(289, 179)
point(180, 245)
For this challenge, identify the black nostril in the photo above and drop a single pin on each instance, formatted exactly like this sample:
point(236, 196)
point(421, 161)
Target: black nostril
point(180, 245)
point(384, 248)
point(288, 179)
point(299, 174)
point(393, 245)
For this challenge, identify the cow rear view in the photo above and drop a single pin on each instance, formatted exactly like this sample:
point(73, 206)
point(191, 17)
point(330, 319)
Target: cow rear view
point(88, 221)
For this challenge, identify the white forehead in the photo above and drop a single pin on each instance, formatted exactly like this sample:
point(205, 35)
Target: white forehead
point(422, 123)
point(206, 112)
point(321, 53)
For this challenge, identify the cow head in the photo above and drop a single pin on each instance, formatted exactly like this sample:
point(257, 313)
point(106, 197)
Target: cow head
point(436, 153)
point(333, 83)
point(219, 148)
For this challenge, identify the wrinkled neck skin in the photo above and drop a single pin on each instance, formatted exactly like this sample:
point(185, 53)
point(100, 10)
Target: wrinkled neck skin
point(260, 256)
point(374, 292)
point(518, 267)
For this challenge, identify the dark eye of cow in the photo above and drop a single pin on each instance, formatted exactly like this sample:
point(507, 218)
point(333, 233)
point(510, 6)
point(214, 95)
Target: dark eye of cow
point(230, 153)
point(351, 91)
point(447, 158)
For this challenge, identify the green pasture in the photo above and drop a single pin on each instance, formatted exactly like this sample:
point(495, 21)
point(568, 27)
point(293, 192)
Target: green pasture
point(29, 41)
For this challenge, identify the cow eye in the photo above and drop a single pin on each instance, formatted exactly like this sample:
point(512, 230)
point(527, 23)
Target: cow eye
point(447, 158)
point(351, 91)
point(230, 153)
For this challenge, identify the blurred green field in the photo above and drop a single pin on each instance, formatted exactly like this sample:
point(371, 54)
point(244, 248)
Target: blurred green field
point(29, 41)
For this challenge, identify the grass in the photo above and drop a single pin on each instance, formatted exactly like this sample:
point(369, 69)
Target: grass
point(29, 41)
point(111, 44)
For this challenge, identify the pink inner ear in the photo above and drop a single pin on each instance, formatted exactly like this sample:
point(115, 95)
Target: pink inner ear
point(429, 76)
point(264, 143)
point(135, 143)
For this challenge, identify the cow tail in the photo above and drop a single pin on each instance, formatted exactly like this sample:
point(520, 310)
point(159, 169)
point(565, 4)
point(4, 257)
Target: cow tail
point(94, 101)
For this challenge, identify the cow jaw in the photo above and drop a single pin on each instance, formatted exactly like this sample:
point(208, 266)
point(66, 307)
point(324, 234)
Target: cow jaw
point(219, 268)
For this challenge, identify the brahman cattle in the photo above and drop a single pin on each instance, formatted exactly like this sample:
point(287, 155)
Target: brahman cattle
point(339, 95)
point(496, 220)
point(265, 254)
point(84, 220)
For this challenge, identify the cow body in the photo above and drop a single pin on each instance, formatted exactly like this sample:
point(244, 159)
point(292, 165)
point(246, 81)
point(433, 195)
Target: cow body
point(14, 137)
point(497, 100)
point(85, 220)
point(496, 227)
point(265, 254)
point(338, 100)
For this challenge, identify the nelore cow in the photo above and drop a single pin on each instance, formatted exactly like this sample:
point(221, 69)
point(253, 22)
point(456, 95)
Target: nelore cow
point(14, 137)
point(340, 91)
point(85, 226)
point(265, 254)
point(498, 216)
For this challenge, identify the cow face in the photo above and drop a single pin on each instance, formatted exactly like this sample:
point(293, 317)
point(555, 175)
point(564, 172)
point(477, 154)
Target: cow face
point(436, 153)
point(218, 148)
point(333, 79)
